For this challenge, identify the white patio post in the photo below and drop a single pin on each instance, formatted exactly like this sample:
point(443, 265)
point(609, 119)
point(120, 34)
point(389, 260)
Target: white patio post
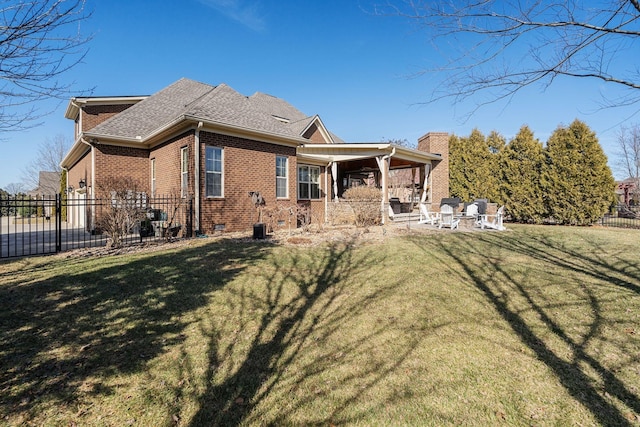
point(425, 186)
point(384, 171)
point(334, 177)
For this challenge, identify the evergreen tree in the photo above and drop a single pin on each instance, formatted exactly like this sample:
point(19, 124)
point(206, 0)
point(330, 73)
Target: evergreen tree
point(521, 165)
point(457, 159)
point(578, 184)
point(473, 166)
point(63, 194)
point(496, 144)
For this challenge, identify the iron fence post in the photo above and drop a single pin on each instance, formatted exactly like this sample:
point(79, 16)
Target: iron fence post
point(58, 222)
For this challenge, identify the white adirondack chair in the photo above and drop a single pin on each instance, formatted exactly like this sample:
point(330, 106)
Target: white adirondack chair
point(495, 223)
point(447, 218)
point(426, 216)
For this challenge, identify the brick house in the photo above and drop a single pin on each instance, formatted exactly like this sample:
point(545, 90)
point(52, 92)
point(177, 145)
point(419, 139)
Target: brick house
point(214, 145)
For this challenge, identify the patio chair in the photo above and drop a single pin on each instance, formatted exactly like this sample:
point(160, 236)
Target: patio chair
point(447, 217)
point(427, 216)
point(495, 223)
point(473, 211)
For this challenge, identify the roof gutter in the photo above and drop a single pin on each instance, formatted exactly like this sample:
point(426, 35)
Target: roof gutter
point(149, 139)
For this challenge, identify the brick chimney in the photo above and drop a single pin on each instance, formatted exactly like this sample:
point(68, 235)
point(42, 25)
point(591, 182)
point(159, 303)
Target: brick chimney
point(437, 143)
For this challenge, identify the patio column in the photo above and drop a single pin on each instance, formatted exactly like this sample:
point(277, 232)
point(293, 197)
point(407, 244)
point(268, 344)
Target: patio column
point(425, 186)
point(383, 165)
point(334, 178)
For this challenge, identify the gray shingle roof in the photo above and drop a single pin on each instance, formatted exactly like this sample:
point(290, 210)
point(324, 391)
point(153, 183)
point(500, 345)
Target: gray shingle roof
point(219, 104)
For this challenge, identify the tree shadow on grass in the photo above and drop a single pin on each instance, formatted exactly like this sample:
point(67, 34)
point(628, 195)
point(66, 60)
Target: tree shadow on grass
point(108, 319)
point(306, 301)
point(479, 260)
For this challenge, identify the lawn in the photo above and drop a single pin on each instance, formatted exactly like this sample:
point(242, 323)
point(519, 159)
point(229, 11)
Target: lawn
point(533, 326)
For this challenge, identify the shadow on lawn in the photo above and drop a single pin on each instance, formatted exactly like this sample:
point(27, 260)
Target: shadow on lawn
point(480, 260)
point(59, 332)
point(308, 299)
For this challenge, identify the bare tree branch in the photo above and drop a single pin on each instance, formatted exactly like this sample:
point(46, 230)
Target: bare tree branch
point(629, 156)
point(492, 49)
point(50, 154)
point(40, 40)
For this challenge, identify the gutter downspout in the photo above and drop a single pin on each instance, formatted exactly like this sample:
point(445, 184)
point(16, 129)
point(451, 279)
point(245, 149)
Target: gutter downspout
point(196, 190)
point(91, 227)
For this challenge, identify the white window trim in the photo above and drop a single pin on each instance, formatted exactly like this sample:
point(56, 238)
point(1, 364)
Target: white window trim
point(184, 170)
point(309, 167)
point(221, 172)
point(286, 177)
point(153, 177)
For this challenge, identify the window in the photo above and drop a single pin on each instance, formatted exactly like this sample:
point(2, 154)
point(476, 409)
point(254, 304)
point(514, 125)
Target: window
point(213, 165)
point(184, 171)
point(308, 182)
point(153, 177)
point(282, 180)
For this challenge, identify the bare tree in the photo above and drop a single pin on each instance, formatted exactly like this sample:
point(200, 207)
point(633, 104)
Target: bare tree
point(50, 154)
point(39, 41)
point(495, 48)
point(126, 207)
point(15, 188)
point(629, 159)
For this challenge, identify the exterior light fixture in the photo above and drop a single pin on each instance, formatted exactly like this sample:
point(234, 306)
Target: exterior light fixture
point(81, 183)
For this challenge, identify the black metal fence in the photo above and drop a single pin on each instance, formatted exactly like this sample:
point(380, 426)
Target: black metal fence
point(50, 224)
point(622, 217)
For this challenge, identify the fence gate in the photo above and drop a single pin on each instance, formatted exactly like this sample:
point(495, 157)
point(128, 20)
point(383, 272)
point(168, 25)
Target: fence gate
point(51, 224)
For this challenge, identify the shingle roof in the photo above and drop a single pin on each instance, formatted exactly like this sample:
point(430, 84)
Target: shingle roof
point(218, 104)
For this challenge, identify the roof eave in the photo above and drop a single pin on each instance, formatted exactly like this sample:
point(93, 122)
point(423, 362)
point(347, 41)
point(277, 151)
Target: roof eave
point(338, 151)
point(77, 150)
point(73, 108)
point(187, 121)
point(270, 137)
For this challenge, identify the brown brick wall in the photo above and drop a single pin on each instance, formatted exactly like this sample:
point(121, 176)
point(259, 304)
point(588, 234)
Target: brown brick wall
point(81, 170)
point(93, 115)
point(437, 143)
point(167, 157)
point(116, 162)
point(248, 166)
point(313, 134)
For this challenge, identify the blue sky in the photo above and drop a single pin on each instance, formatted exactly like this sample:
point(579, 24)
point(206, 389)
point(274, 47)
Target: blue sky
point(334, 58)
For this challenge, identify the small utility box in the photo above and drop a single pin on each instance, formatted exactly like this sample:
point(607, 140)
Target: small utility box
point(259, 231)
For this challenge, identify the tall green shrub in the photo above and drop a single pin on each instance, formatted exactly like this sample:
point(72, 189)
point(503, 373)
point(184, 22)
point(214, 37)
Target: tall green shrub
point(578, 184)
point(520, 166)
point(473, 167)
point(63, 194)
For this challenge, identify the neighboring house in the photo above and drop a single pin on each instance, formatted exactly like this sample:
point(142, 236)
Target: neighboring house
point(48, 184)
point(48, 187)
point(627, 191)
point(218, 146)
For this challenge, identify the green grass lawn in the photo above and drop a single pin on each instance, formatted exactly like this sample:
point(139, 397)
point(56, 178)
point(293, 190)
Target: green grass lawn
point(533, 326)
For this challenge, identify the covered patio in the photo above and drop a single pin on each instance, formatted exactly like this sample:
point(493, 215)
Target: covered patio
point(354, 164)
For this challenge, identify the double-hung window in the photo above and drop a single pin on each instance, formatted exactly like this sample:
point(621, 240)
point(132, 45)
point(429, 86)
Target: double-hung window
point(308, 182)
point(214, 171)
point(184, 171)
point(282, 181)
